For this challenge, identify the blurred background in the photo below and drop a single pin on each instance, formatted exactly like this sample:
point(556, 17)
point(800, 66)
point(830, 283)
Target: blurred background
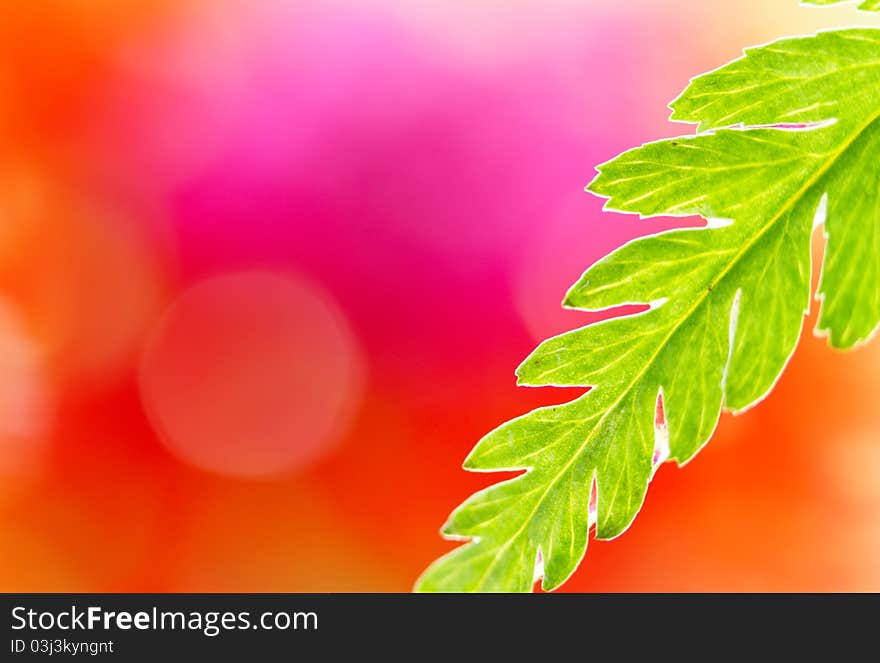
point(267, 267)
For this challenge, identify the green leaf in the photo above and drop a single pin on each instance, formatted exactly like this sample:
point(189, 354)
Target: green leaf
point(867, 5)
point(787, 134)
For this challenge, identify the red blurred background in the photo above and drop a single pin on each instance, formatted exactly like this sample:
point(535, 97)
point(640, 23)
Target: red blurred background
point(266, 269)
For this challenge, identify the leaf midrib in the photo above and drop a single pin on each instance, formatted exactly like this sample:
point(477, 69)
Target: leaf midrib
point(805, 188)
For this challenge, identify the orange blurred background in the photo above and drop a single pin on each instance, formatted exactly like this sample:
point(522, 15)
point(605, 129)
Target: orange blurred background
point(266, 269)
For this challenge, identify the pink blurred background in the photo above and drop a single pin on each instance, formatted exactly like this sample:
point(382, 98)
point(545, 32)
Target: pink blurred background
point(266, 269)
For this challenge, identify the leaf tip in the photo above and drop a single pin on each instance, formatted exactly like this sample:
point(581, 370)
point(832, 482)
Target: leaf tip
point(521, 372)
point(470, 463)
point(591, 185)
point(569, 301)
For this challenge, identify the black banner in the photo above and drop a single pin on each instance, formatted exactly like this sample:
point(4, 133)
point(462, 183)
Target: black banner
point(150, 627)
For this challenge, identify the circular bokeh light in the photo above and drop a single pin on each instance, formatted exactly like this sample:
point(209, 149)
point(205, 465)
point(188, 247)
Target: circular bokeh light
point(251, 374)
point(25, 399)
